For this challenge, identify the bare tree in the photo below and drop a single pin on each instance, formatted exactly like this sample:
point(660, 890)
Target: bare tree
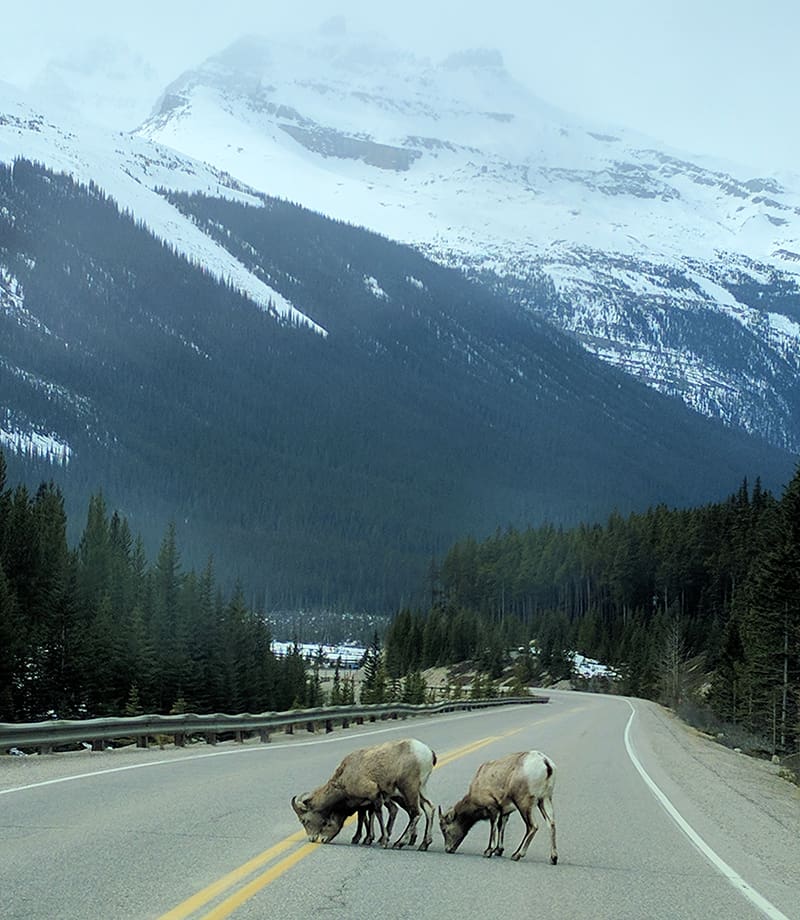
point(672, 662)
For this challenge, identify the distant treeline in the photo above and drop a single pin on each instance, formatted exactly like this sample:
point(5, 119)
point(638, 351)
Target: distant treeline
point(717, 585)
point(98, 630)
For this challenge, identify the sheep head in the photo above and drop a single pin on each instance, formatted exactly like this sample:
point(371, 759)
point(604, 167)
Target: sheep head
point(321, 826)
point(452, 830)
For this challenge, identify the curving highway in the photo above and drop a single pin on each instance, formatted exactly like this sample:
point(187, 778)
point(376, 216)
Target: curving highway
point(654, 821)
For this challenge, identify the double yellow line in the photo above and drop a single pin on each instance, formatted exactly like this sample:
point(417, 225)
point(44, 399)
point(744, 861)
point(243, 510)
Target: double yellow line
point(232, 902)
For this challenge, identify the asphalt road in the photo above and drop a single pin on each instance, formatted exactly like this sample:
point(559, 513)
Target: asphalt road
point(209, 833)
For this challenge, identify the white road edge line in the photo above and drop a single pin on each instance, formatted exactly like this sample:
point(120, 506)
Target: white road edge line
point(765, 906)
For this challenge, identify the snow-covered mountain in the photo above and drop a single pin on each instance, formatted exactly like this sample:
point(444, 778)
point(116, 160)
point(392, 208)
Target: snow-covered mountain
point(681, 270)
point(132, 170)
point(340, 406)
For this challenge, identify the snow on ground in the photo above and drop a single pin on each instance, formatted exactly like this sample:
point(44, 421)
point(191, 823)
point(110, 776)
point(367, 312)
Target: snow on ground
point(590, 667)
point(351, 656)
point(130, 169)
point(32, 443)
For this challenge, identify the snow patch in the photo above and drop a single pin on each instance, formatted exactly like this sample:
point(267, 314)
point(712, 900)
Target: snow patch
point(350, 656)
point(371, 284)
point(35, 444)
point(131, 170)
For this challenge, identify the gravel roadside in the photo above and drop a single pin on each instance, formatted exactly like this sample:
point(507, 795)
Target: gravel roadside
point(740, 805)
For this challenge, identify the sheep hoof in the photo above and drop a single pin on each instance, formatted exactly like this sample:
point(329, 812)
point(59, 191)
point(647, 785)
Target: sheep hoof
point(554, 859)
point(398, 844)
point(424, 845)
point(516, 857)
point(488, 853)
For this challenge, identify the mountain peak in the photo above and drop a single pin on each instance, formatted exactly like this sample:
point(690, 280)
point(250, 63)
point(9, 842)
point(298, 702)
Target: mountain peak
point(475, 59)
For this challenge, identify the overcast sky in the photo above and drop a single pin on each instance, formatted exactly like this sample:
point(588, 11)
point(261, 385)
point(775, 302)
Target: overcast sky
point(705, 76)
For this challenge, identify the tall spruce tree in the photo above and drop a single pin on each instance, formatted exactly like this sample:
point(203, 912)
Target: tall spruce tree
point(771, 627)
point(374, 684)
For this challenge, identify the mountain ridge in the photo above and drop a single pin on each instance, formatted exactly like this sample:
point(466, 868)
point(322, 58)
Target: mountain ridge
point(635, 238)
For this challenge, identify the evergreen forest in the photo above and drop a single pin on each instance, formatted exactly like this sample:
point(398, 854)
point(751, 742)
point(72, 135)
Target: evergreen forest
point(698, 608)
point(98, 630)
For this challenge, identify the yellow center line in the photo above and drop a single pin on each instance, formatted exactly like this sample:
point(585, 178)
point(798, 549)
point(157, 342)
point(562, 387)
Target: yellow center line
point(463, 751)
point(227, 881)
point(230, 904)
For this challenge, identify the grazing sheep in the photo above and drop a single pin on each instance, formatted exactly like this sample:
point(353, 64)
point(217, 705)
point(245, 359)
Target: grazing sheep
point(391, 773)
point(520, 781)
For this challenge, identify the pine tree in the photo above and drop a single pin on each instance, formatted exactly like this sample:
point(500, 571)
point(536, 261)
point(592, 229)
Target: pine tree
point(337, 694)
point(414, 689)
point(169, 628)
point(771, 626)
point(12, 642)
point(375, 680)
point(133, 706)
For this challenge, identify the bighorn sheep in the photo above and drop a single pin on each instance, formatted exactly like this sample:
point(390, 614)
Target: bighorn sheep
point(391, 773)
point(520, 781)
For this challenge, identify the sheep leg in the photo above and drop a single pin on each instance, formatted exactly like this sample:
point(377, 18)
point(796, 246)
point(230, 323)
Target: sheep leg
point(362, 823)
point(551, 820)
point(391, 807)
point(410, 833)
point(530, 830)
point(427, 807)
point(493, 832)
point(376, 810)
point(501, 833)
point(411, 794)
point(369, 819)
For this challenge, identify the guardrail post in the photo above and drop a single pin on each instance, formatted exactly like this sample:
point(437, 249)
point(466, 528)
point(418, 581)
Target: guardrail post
point(238, 736)
point(345, 723)
point(141, 741)
point(211, 738)
point(264, 735)
point(180, 739)
point(289, 730)
point(328, 726)
point(98, 744)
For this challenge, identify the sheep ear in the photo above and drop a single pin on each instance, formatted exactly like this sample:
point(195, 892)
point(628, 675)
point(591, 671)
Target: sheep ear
point(300, 807)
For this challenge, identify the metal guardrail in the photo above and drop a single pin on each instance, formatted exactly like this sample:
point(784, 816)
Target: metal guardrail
point(60, 733)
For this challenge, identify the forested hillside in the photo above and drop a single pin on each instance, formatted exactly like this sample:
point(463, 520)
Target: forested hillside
point(645, 593)
point(319, 470)
point(100, 630)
